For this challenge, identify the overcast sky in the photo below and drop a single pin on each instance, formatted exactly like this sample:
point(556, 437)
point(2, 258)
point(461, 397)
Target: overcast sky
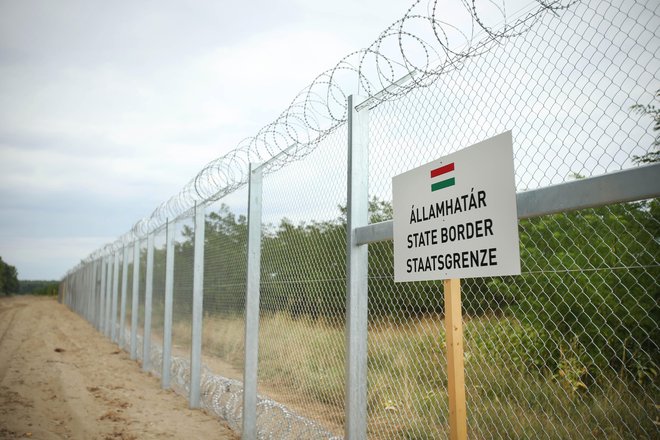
point(109, 108)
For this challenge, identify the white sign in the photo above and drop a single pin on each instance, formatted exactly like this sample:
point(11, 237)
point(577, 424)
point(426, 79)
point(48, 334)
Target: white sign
point(456, 217)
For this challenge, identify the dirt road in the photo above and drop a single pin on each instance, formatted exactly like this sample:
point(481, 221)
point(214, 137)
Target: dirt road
point(60, 379)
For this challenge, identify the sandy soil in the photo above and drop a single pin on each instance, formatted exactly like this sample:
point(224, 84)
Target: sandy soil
point(60, 379)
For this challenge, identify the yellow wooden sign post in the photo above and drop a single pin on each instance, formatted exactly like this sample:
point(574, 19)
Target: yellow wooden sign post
point(455, 366)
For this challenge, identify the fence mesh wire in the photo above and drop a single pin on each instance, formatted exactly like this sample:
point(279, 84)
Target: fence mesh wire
point(223, 341)
point(116, 299)
point(301, 355)
point(569, 349)
point(184, 234)
point(128, 314)
point(142, 299)
point(225, 254)
point(158, 303)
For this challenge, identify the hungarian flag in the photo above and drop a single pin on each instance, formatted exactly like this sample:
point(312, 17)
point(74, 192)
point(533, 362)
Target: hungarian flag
point(442, 171)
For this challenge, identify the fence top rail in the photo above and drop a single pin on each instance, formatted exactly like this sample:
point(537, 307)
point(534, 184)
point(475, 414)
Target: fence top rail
point(628, 185)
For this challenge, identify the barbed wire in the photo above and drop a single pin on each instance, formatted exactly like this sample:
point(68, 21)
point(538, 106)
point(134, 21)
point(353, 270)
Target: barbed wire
point(409, 54)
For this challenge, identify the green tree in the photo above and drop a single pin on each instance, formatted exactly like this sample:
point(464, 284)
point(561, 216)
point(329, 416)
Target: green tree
point(8, 279)
point(225, 257)
point(38, 287)
point(303, 268)
point(654, 112)
point(589, 286)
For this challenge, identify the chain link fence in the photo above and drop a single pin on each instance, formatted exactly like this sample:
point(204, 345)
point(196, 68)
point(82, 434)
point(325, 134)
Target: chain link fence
point(568, 349)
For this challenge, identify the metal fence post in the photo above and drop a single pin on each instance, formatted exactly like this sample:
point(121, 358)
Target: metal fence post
point(253, 285)
point(92, 292)
point(89, 289)
point(104, 273)
point(75, 287)
point(136, 298)
point(81, 290)
point(148, 296)
point(94, 309)
point(97, 297)
point(91, 283)
point(74, 290)
point(84, 288)
point(169, 292)
point(122, 312)
point(87, 278)
point(69, 291)
point(99, 294)
point(108, 298)
point(198, 299)
point(115, 297)
point(86, 291)
point(356, 272)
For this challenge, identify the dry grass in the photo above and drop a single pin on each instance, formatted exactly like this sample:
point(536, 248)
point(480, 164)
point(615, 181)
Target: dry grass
point(302, 361)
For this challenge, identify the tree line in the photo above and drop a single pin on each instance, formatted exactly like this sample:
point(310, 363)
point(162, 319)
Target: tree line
point(39, 287)
point(11, 285)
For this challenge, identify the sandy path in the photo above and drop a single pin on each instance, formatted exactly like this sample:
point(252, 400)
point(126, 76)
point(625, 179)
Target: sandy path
point(60, 379)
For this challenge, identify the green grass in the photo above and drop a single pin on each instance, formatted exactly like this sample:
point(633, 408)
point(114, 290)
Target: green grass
point(509, 396)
